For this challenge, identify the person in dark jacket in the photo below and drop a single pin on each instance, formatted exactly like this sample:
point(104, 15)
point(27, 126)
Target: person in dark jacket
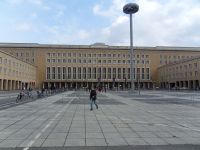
point(93, 97)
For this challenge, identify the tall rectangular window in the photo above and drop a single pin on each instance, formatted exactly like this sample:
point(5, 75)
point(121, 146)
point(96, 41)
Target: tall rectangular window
point(99, 73)
point(89, 73)
point(74, 72)
point(143, 73)
point(79, 72)
point(104, 73)
point(109, 73)
point(94, 73)
point(148, 73)
point(124, 73)
point(119, 73)
point(84, 73)
point(134, 73)
point(69, 72)
point(59, 73)
point(48, 73)
point(114, 72)
point(64, 73)
point(138, 73)
point(53, 73)
point(129, 72)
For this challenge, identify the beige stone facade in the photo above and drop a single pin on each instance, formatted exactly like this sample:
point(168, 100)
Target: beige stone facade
point(77, 66)
point(181, 75)
point(15, 74)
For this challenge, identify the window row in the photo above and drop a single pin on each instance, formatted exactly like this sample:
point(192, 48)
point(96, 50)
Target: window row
point(95, 55)
point(12, 63)
point(96, 61)
point(16, 73)
point(172, 59)
point(24, 54)
point(63, 73)
point(189, 66)
point(182, 75)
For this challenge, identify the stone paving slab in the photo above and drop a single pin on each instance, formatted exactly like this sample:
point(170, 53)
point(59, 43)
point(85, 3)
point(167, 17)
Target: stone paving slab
point(138, 147)
point(44, 124)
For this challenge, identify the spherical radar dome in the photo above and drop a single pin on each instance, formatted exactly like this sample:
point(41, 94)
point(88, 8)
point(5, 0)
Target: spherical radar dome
point(130, 8)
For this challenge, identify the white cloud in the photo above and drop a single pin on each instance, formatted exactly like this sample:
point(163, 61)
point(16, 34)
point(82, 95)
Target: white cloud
point(39, 3)
point(23, 27)
point(63, 36)
point(83, 34)
point(157, 23)
point(112, 11)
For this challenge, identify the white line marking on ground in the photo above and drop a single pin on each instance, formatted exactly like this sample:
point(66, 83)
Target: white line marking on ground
point(48, 125)
point(38, 135)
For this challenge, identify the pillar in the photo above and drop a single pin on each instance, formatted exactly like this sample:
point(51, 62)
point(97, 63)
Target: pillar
point(6, 84)
point(14, 85)
point(194, 85)
point(189, 84)
point(18, 82)
point(11, 84)
point(1, 84)
point(148, 85)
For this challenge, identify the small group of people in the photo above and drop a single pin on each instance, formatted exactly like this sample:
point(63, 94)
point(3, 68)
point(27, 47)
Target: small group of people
point(23, 93)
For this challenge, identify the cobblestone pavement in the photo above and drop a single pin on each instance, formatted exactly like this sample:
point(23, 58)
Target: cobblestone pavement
point(153, 120)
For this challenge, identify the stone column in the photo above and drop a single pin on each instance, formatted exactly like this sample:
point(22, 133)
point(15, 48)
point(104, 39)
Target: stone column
point(6, 84)
point(13, 85)
point(194, 85)
point(1, 84)
point(59, 84)
point(148, 84)
point(189, 84)
point(65, 84)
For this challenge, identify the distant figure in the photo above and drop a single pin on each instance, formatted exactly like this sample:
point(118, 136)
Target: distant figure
point(93, 97)
point(21, 95)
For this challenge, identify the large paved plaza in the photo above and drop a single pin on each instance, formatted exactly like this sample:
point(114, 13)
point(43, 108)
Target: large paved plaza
point(152, 120)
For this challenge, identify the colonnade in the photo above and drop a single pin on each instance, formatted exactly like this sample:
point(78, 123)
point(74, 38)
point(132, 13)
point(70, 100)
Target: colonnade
point(108, 85)
point(189, 84)
point(8, 85)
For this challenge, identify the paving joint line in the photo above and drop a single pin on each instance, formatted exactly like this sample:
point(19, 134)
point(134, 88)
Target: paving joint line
point(21, 120)
point(101, 128)
point(70, 124)
point(85, 123)
point(49, 124)
point(44, 129)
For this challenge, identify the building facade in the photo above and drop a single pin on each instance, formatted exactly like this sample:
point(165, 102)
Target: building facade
point(184, 74)
point(15, 74)
point(81, 66)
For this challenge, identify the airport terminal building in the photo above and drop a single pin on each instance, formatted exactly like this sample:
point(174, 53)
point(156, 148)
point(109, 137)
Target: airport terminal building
point(84, 66)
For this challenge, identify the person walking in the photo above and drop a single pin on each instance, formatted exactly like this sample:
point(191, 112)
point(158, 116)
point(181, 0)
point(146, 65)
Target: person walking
point(93, 97)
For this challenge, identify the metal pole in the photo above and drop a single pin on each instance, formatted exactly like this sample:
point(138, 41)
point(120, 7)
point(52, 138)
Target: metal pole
point(131, 53)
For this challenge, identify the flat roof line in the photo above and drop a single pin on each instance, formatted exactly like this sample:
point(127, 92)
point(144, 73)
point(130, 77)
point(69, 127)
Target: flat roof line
point(37, 45)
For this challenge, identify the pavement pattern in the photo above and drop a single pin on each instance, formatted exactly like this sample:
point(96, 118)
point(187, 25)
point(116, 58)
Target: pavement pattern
point(152, 120)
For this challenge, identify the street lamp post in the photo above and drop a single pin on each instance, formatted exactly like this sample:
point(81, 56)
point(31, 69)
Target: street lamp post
point(130, 9)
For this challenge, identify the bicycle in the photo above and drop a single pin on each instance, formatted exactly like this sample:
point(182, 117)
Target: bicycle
point(19, 97)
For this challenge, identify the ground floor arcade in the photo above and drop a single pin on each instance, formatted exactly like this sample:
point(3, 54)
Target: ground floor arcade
point(189, 84)
point(7, 85)
point(107, 85)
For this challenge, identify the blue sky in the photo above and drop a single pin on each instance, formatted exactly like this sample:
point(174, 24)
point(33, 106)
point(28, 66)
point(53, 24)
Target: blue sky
point(158, 22)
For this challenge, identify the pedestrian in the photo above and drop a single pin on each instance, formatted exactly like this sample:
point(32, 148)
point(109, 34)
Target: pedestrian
point(93, 97)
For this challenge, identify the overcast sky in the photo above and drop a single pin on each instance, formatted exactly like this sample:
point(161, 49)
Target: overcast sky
point(158, 22)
